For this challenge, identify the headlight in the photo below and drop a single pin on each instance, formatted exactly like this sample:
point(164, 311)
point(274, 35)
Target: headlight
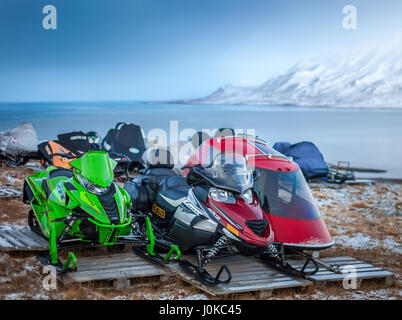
point(248, 196)
point(221, 196)
point(90, 186)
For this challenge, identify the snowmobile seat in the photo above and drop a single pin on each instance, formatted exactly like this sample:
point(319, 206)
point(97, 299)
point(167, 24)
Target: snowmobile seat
point(159, 163)
point(172, 192)
point(177, 184)
point(160, 174)
point(174, 188)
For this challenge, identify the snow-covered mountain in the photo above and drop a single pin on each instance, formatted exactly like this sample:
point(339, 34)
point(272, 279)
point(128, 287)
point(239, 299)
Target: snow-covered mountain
point(367, 76)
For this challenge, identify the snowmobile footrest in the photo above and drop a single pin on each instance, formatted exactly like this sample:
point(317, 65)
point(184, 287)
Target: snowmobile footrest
point(158, 259)
point(46, 260)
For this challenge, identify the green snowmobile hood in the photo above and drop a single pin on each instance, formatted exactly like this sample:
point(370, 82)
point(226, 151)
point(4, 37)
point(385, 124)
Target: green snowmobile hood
point(96, 166)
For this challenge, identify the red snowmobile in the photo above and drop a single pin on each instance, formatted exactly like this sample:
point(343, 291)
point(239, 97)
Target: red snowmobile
point(284, 196)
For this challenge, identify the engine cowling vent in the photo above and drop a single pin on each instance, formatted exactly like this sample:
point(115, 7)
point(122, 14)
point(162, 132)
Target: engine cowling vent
point(257, 226)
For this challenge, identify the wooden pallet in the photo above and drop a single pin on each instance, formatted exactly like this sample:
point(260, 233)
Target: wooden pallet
point(248, 275)
point(119, 268)
point(21, 239)
point(364, 271)
point(7, 192)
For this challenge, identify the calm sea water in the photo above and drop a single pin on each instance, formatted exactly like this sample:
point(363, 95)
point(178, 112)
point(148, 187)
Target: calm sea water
point(366, 138)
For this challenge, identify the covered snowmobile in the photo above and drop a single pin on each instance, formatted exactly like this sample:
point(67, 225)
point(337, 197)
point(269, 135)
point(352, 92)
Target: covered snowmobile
point(61, 152)
point(20, 144)
point(82, 207)
point(313, 166)
point(307, 156)
point(128, 140)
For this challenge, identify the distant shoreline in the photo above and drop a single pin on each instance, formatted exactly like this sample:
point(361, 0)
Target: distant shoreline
point(199, 102)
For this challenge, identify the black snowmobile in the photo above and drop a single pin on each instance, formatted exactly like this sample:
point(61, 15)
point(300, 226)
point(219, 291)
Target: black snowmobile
point(213, 211)
point(126, 139)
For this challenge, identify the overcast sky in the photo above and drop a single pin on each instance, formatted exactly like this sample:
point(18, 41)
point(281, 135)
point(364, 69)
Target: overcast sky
point(168, 49)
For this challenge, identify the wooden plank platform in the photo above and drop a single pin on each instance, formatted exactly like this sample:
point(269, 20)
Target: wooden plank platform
point(7, 192)
point(364, 271)
point(21, 239)
point(121, 266)
point(248, 275)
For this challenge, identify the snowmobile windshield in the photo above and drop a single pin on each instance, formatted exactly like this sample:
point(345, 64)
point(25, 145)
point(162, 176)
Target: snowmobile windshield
point(229, 171)
point(96, 167)
point(286, 194)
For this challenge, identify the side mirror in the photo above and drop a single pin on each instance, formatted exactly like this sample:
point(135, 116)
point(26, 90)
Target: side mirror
point(256, 175)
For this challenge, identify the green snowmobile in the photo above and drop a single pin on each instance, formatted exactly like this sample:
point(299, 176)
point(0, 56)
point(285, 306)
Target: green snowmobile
point(84, 207)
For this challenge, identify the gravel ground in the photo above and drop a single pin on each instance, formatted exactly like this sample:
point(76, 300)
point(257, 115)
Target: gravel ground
point(364, 220)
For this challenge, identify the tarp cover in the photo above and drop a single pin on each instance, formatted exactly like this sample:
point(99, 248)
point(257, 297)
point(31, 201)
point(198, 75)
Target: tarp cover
point(76, 141)
point(126, 139)
point(307, 156)
point(20, 141)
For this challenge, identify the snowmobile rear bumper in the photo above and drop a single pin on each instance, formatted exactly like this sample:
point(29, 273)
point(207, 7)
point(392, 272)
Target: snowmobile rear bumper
point(312, 247)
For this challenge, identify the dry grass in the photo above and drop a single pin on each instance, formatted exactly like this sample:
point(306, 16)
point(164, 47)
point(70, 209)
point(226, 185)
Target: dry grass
point(374, 211)
point(360, 204)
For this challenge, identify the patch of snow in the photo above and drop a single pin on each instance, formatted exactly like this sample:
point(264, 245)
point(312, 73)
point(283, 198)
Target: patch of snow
point(193, 297)
point(4, 280)
point(7, 226)
point(14, 296)
point(362, 77)
point(361, 241)
point(40, 296)
point(166, 296)
point(380, 294)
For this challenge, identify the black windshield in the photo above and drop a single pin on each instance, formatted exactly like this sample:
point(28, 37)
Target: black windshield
point(286, 194)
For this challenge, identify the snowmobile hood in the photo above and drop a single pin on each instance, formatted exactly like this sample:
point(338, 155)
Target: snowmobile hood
point(96, 166)
point(239, 215)
point(293, 214)
point(306, 234)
